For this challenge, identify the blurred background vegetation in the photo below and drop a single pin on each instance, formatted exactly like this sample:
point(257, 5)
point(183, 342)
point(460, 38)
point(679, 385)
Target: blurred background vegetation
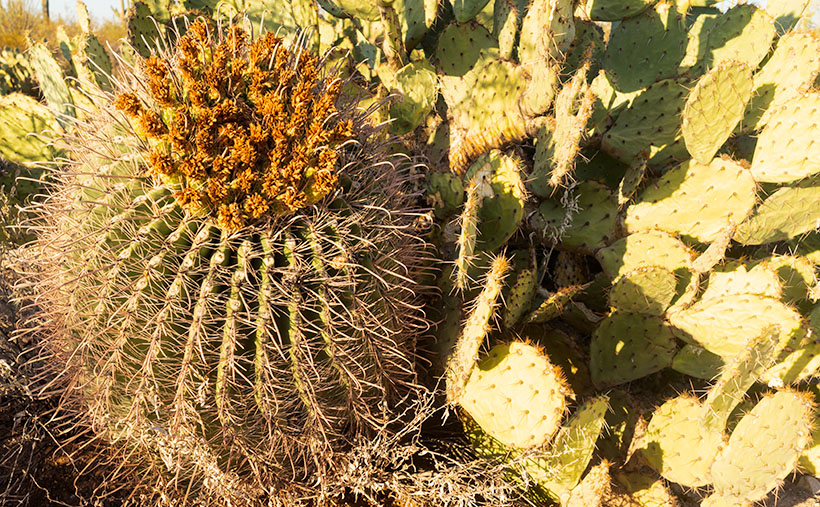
point(30, 18)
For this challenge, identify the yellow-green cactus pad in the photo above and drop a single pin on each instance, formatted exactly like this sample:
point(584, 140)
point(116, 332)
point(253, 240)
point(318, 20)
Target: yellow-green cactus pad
point(787, 149)
point(743, 34)
point(785, 214)
point(714, 108)
point(695, 200)
point(645, 248)
point(738, 376)
point(798, 365)
point(724, 325)
point(550, 305)
point(737, 278)
point(569, 456)
point(764, 446)
point(648, 290)
point(614, 10)
point(789, 72)
point(516, 395)
point(629, 346)
point(678, 446)
point(22, 120)
point(418, 85)
point(797, 274)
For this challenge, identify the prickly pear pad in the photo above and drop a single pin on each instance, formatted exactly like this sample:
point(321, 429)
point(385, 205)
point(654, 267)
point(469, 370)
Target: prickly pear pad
point(696, 200)
point(787, 213)
point(516, 396)
point(628, 346)
point(647, 290)
point(765, 446)
point(787, 149)
point(715, 107)
point(678, 446)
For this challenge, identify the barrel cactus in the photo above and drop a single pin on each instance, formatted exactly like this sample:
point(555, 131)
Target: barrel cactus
point(231, 267)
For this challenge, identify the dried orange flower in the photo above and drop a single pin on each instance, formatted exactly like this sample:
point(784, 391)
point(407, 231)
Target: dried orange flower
point(250, 131)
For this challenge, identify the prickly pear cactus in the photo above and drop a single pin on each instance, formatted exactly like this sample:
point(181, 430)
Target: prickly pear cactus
point(234, 267)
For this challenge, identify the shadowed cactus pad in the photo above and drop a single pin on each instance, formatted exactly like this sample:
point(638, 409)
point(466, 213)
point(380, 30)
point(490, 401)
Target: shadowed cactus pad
point(233, 266)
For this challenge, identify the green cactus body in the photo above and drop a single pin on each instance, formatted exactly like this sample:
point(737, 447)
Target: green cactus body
point(21, 119)
point(738, 376)
point(254, 335)
point(743, 34)
point(651, 123)
point(614, 10)
point(648, 291)
point(697, 362)
point(52, 83)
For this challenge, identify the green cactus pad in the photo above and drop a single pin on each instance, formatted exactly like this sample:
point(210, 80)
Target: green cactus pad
point(695, 361)
point(787, 213)
point(796, 273)
point(572, 450)
point(143, 32)
point(645, 490)
point(465, 10)
point(547, 31)
point(647, 290)
point(492, 101)
point(621, 421)
point(418, 85)
point(695, 200)
point(21, 120)
point(586, 228)
point(738, 375)
point(642, 249)
point(96, 60)
point(678, 446)
point(516, 395)
point(660, 33)
point(500, 213)
point(739, 470)
point(565, 353)
point(519, 299)
point(714, 108)
point(798, 365)
point(787, 149)
point(416, 17)
point(614, 10)
point(551, 305)
point(629, 346)
point(445, 193)
point(52, 83)
point(460, 47)
point(650, 123)
point(589, 37)
point(696, 45)
point(789, 72)
point(737, 278)
point(743, 34)
point(505, 26)
point(723, 325)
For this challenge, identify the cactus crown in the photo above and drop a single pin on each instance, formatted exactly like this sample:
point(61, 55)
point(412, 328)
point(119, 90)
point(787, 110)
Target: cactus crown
point(247, 129)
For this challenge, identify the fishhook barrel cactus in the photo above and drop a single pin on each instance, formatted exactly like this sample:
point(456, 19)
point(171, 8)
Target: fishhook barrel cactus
point(230, 266)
